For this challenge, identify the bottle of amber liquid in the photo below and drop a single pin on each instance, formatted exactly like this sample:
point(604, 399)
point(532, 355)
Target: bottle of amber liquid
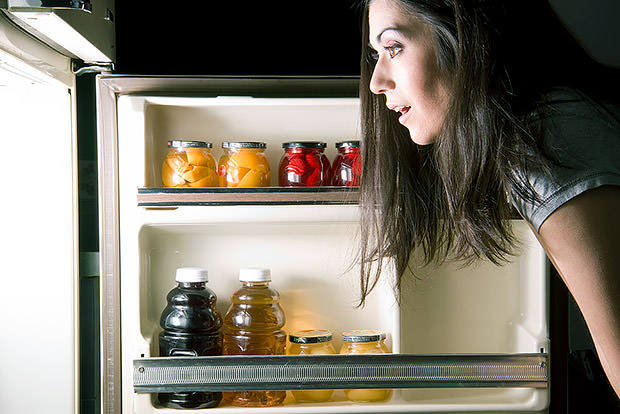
point(253, 326)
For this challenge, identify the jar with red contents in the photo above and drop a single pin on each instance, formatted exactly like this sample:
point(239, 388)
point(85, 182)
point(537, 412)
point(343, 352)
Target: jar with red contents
point(347, 166)
point(304, 165)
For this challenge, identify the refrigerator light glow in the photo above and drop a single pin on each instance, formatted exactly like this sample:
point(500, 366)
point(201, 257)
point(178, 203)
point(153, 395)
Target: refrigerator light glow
point(51, 26)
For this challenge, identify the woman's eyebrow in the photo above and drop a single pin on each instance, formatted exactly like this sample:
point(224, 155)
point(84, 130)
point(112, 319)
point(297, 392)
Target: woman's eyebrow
point(387, 29)
point(408, 31)
point(399, 29)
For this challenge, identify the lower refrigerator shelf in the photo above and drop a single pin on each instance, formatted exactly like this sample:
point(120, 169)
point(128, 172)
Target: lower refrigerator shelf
point(226, 373)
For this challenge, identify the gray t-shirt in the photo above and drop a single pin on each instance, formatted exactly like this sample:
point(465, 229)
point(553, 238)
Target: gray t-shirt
point(582, 140)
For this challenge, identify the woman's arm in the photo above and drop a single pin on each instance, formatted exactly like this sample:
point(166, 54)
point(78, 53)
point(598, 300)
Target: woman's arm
point(582, 240)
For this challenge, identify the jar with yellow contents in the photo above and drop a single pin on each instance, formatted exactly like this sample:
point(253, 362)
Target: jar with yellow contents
point(189, 164)
point(365, 341)
point(244, 164)
point(311, 342)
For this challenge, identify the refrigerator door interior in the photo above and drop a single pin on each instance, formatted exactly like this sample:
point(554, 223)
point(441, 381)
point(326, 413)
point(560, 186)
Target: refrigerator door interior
point(310, 246)
point(39, 227)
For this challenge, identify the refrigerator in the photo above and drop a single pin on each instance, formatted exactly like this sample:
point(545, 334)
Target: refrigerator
point(308, 240)
point(463, 339)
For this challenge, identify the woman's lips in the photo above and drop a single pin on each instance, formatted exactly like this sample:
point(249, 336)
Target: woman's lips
point(404, 110)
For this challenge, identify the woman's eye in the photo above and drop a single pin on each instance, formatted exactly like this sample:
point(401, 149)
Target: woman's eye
point(393, 50)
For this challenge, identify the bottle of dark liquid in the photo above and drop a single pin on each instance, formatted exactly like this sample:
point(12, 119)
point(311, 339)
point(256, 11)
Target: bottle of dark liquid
point(253, 326)
point(190, 325)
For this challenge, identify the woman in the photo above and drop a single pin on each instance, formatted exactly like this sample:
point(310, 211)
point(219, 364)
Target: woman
point(472, 109)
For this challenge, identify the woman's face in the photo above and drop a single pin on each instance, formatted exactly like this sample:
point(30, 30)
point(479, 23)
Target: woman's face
point(406, 70)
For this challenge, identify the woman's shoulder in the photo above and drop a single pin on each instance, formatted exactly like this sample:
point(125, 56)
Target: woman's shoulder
point(564, 105)
point(581, 141)
point(575, 122)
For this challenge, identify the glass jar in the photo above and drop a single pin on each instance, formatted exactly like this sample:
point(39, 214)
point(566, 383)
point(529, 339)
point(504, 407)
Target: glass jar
point(189, 164)
point(303, 164)
point(311, 342)
point(244, 164)
point(365, 341)
point(347, 166)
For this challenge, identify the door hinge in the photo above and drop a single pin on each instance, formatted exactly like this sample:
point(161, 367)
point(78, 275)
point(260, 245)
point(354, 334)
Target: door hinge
point(79, 68)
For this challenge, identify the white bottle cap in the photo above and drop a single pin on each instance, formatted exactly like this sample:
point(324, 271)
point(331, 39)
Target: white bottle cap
point(254, 274)
point(191, 275)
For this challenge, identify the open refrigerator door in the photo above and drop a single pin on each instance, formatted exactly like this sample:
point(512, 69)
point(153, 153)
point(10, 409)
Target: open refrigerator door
point(39, 257)
point(469, 339)
point(44, 45)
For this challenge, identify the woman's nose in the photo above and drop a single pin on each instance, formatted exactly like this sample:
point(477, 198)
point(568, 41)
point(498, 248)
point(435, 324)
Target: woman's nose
point(381, 81)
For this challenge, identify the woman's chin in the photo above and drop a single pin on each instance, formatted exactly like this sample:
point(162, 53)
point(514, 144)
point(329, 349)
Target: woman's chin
point(421, 139)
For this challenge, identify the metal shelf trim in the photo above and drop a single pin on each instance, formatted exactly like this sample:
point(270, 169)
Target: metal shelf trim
point(169, 197)
point(224, 373)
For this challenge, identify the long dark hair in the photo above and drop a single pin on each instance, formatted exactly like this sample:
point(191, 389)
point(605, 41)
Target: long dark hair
point(450, 199)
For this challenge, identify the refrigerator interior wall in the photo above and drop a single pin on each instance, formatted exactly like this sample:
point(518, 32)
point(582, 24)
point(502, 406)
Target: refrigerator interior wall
point(39, 242)
point(309, 248)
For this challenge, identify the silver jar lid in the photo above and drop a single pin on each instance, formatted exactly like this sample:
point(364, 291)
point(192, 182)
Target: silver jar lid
point(177, 143)
point(310, 336)
point(349, 144)
point(304, 144)
point(363, 335)
point(243, 144)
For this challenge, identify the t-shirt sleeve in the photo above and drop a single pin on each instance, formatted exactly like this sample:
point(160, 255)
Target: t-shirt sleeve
point(582, 142)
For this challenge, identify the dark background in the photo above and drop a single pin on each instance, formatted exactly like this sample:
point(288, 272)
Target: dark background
point(239, 38)
point(294, 37)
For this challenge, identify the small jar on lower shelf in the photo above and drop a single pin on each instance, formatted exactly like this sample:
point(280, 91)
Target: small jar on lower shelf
point(365, 341)
point(311, 342)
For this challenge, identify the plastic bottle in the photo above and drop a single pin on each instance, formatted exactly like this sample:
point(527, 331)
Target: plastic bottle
point(190, 325)
point(252, 326)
